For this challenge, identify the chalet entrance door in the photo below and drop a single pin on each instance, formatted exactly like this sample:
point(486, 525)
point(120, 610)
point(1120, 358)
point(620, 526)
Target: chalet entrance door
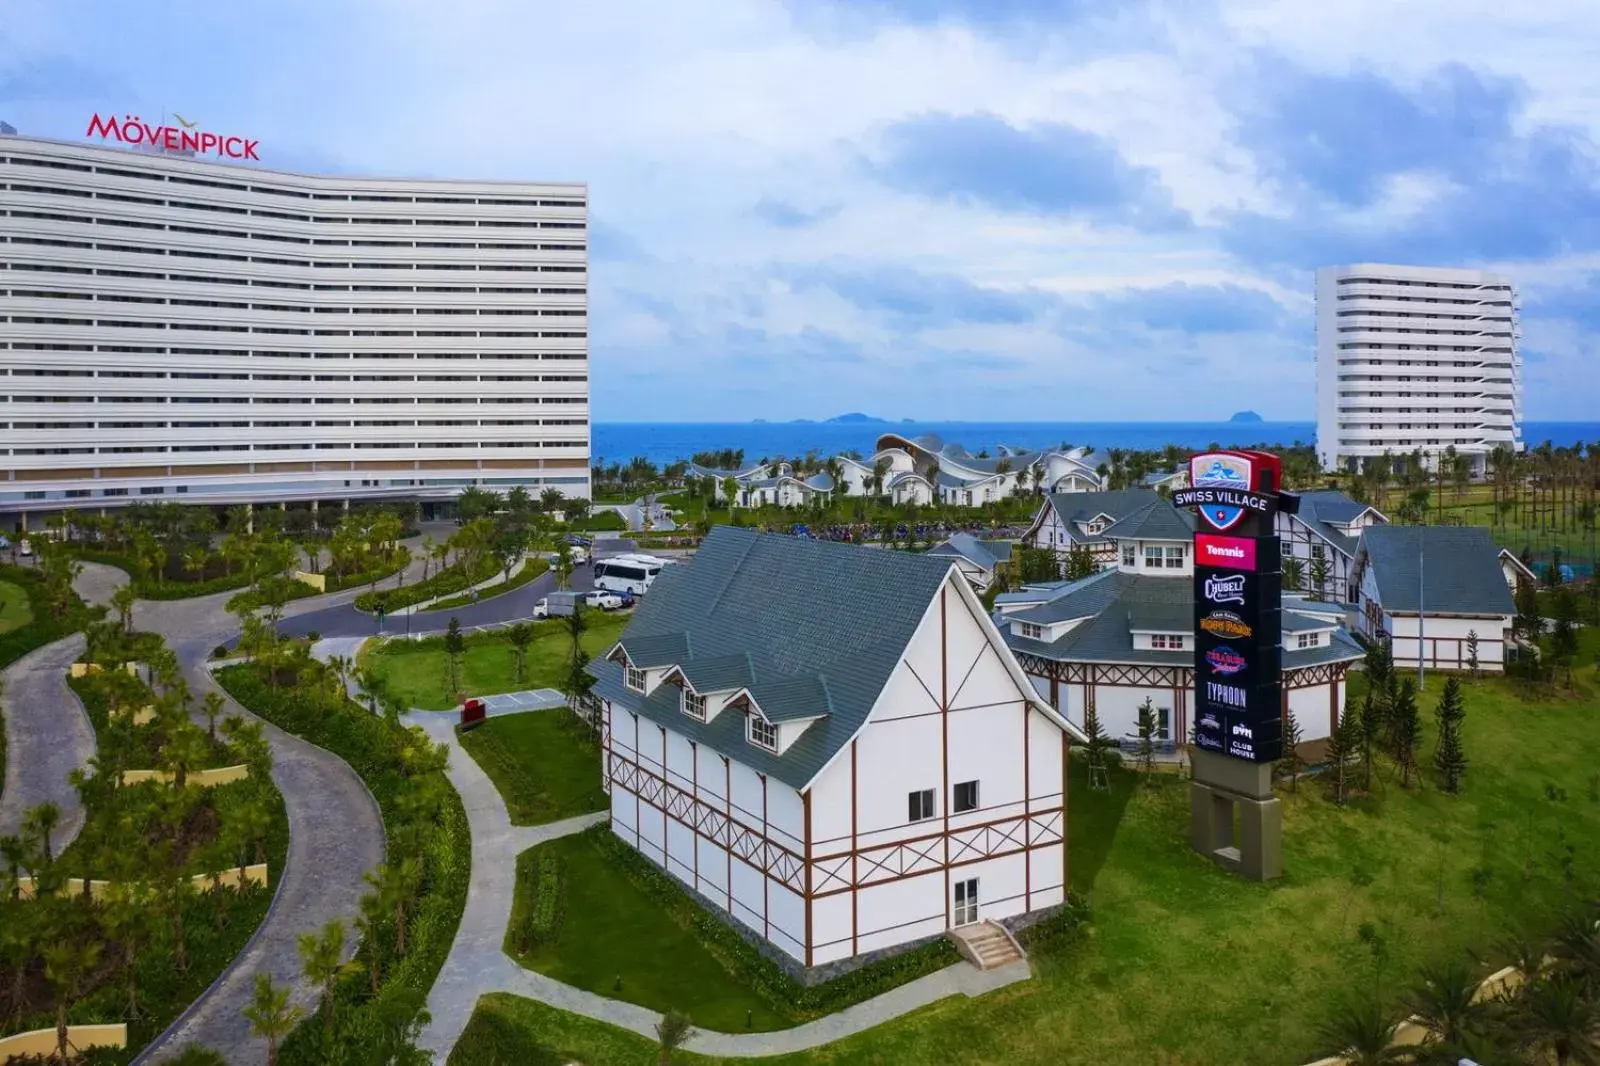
point(967, 901)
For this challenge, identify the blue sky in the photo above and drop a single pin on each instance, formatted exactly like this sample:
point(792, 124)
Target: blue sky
point(974, 209)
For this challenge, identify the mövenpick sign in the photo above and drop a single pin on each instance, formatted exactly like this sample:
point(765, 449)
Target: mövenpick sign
point(133, 130)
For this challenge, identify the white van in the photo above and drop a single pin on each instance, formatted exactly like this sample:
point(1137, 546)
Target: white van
point(627, 573)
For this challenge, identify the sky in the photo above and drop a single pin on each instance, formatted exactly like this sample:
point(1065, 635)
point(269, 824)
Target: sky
point(1073, 210)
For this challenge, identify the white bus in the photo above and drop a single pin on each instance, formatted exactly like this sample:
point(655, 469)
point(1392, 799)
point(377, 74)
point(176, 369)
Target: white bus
point(627, 573)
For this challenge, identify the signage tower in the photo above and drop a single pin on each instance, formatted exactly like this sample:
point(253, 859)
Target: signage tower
point(1238, 658)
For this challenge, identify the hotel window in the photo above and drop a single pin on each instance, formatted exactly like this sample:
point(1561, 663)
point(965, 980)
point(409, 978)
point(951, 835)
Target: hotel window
point(920, 805)
point(763, 734)
point(1175, 558)
point(1153, 557)
point(966, 798)
point(1308, 640)
point(1130, 555)
point(694, 705)
point(633, 677)
point(1166, 642)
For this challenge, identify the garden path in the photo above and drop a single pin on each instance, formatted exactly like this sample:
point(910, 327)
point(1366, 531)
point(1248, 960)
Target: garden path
point(478, 964)
point(48, 735)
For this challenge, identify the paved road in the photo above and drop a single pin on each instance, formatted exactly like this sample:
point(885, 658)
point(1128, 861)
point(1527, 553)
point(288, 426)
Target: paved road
point(48, 735)
point(343, 620)
point(335, 836)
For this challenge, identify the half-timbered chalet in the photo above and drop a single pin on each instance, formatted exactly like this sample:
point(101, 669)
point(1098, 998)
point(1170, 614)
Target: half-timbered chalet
point(1450, 582)
point(833, 746)
point(1125, 634)
point(1068, 520)
point(1328, 526)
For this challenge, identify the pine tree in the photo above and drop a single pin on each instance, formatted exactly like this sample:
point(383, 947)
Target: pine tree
point(1528, 622)
point(1097, 745)
point(1448, 757)
point(1564, 632)
point(1146, 732)
point(1472, 652)
point(1291, 764)
point(1405, 728)
point(1372, 718)
point(1342, 745)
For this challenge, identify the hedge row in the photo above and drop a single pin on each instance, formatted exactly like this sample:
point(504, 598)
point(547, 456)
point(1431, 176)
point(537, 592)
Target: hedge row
point(534, 925)
point(782, 992)
point(452, 579)
point(44, 627)
point(367, 1028)
point(168, 589)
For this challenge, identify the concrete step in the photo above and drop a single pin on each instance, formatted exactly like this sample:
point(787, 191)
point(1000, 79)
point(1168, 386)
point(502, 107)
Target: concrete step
point(986, 945)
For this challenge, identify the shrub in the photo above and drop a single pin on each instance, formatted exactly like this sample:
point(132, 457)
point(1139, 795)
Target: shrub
point(452, 579)
point(539, 926)
point(1059, 931)
point(45, 627)
point(220, 652)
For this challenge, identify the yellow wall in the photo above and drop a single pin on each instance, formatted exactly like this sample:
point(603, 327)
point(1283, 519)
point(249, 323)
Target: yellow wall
point(316, 581)
point(225, 775)
point(43, 1041)
point(229, 878)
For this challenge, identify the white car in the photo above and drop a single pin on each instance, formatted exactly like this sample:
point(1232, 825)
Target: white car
point(606, 601)
point(575, 553)
point(25, 548)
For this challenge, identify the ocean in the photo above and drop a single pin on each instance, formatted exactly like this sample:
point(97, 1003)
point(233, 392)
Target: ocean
point(666, 442)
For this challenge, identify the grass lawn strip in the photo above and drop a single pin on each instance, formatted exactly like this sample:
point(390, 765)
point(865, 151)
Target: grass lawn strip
point(530, 571)
point(416, 671)
point(544, 766)
point(620, 918)
point(1190, 965)
point(15, 611)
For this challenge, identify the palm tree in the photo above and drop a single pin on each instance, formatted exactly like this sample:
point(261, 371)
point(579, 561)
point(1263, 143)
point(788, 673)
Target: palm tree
point(1556, 1017)
point(1360, 1033)
point(673, 1031)
point(320, 958)
point(194, 562)
point(270, 1015)
point(1444, 1003)
point(128, 920)
point(66, 964)
point(520, 635)
point(122, 601)
point(38, 823)
point(373, 913)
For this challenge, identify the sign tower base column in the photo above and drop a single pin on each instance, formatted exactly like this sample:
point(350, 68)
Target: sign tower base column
point(1228, 795)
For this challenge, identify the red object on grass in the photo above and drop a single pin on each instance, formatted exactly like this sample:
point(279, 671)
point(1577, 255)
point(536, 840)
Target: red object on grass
point(472, 712)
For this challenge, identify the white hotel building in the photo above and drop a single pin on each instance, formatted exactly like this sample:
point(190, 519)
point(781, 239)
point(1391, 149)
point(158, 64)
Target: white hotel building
point(1416, 358)
point(188, 331)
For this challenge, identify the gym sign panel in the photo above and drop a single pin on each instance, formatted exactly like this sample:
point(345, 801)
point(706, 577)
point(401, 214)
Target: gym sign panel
point(1238, 659)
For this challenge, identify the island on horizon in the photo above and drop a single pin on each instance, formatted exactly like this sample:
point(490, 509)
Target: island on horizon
point(1246, 416)
point(854, 418)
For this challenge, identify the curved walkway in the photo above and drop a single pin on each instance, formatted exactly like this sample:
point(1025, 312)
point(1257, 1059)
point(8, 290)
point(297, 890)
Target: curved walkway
point(48, 735)
point(335, 836)
point(478, 964)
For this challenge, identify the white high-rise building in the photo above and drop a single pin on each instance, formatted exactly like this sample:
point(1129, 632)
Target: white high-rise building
point(1416, 359)
point(198, 332)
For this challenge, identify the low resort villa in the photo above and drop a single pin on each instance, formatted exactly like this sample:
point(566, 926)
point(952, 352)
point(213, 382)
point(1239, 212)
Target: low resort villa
point(833, 747)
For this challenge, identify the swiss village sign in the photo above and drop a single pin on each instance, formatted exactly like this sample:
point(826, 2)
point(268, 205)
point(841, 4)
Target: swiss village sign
point(1238, 584)
point(1238, 657)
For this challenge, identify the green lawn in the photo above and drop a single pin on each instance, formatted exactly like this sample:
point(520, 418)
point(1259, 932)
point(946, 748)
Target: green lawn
point(610, 926)
point(14, 610)
point(1189, 965)
point(417, 670)
point(545, 769)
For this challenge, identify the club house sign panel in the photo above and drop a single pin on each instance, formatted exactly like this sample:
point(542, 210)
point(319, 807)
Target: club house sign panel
point(1237, 600)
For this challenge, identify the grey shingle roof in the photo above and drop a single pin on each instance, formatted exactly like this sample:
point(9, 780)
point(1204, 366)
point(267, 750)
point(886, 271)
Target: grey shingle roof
point(985, 553)
point(1079, 599)
point(1322, 509)
point(1156, 521)
point(1127, 602)
point(1074, 507)
point(1460, 569)
point(822, 625)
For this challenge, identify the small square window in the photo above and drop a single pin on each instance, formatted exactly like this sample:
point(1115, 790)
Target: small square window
point(920, 805)
point(966, 798)
point(1175, 558)
point(1130, 555)
point(763, 734)
point(1153, 557)
point(694, 705)
point(634, 678)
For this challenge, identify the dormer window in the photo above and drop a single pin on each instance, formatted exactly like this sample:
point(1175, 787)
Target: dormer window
point(1030, 630)
point(1166, 642)
point(694, 705)
point(1308, 640)
point(763, 734)
point(633, 677)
